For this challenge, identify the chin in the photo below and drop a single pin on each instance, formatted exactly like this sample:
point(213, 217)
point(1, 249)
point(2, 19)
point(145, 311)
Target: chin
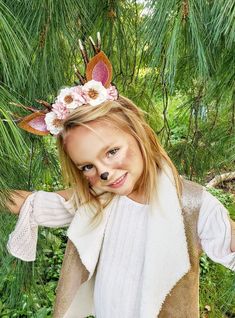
point(125, 191)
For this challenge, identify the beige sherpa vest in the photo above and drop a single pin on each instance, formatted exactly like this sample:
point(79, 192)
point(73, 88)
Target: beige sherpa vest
point(183, 299)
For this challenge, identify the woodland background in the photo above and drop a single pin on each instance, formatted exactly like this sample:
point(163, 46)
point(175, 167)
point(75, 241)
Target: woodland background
point(173, 58)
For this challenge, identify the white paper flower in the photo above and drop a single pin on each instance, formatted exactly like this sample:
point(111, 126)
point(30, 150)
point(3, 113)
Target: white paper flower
point(54, 124)
point(70, 97)
point(95, 92)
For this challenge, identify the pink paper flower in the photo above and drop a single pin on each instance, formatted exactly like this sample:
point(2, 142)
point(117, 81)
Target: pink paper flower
point(80, 96)
point(60, 110)
point(71, 97)
point(112, 93)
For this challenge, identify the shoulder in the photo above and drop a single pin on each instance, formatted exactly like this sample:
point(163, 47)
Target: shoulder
point(190, 186)
point(192, 194)
point(66, 194)
point(196, 199)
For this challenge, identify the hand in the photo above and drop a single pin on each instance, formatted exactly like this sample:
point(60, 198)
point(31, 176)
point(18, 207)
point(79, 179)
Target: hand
point(16, 200)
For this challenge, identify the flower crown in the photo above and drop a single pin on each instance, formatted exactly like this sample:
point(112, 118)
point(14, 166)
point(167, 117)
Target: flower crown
point(95, 88)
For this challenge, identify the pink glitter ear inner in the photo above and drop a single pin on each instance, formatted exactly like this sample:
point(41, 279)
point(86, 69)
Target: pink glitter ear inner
point(100, 72)
point(38, 123)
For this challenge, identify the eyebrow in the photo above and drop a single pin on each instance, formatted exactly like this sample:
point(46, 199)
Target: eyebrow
point(104, 149)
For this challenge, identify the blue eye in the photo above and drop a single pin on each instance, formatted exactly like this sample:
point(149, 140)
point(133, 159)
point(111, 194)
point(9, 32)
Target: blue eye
point(87, 168)
point(113, 151)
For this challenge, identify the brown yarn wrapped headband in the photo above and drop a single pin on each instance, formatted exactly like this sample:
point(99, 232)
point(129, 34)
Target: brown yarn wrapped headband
point(95, 88)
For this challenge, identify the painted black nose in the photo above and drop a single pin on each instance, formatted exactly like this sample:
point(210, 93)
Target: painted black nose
point(104, 176)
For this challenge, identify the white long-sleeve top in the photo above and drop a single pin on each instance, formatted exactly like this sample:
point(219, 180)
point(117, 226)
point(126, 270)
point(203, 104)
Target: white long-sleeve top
point(121, 260)
point(51, 210)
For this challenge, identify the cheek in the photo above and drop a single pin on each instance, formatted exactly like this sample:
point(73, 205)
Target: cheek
point(92, 180)
point(126, 159)
point(130, 155)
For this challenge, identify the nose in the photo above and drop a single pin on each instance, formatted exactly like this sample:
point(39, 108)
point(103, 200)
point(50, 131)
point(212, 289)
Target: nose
point(104, 175)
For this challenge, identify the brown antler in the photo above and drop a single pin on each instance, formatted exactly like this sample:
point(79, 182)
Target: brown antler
point(94, 46)
point(98, 41)
point(79, 75)
point(84, 52)
point(33, 110)
point(44, 103)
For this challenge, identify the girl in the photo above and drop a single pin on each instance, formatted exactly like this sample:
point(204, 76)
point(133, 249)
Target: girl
point(136, 228)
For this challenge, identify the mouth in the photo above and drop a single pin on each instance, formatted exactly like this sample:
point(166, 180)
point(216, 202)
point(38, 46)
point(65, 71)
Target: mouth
point(119, 182)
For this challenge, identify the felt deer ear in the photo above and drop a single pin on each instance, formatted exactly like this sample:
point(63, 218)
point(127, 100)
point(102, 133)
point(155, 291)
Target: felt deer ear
point(99, 69)
point(35, 124)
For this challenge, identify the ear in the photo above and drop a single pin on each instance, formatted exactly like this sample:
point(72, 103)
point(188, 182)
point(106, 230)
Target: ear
point(35, 124)
point(99, 69)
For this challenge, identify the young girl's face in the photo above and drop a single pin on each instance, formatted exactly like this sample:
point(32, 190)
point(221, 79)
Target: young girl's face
point(106, 149)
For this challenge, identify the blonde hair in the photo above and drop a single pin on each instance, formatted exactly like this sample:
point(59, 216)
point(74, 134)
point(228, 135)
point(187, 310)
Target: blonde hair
point(128, 117)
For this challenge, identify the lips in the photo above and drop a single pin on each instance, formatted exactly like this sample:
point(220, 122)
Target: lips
point(118, 181)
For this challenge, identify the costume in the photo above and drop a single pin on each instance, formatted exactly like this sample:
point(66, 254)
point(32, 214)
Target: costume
point(170, 277)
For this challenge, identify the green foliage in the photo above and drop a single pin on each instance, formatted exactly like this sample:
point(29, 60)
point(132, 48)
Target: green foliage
point(34, 297)
point(217, 289)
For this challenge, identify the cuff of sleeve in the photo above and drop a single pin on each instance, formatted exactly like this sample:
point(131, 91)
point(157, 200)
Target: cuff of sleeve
point(227, 260)
point(69, 204)
point(22, 242)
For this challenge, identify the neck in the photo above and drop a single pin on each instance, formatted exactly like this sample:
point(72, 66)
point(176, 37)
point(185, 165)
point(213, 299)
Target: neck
point(138, 197)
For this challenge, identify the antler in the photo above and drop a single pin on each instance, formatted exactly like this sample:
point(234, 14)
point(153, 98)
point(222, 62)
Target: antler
point(44, 103)
point(98, 41)
point(84, 52)
point(79, 75)
point(93, 45)
point(96, 48)
point(33, 110)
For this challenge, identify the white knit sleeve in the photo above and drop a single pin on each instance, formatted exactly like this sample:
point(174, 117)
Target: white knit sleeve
point(214, 231)
point(40, 208)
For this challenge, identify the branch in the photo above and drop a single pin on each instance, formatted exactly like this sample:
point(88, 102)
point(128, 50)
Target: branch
point(221, 178)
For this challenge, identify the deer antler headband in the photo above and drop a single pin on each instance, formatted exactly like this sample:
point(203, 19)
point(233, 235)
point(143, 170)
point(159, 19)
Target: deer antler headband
point(95, 88)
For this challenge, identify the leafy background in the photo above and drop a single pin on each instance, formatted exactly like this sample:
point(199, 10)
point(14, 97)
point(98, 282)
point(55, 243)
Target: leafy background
point(175, 59)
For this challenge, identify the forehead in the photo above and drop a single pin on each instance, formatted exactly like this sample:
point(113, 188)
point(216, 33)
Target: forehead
point(83, 143)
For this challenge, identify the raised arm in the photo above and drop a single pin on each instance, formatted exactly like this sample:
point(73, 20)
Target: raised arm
point(66, 194)
point(41, 208)
point(18, 197)
point(16, 200)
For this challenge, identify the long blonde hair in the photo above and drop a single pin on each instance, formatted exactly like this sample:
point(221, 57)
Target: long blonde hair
point(124, 114)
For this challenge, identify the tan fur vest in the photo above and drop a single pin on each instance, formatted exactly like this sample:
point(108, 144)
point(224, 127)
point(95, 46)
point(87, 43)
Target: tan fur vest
point(183, 299)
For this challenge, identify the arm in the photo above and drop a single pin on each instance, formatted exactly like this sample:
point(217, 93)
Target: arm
point(41, 208)
point(214, 231)
point(16, 200)
point(18, 197)
point(66, 194)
